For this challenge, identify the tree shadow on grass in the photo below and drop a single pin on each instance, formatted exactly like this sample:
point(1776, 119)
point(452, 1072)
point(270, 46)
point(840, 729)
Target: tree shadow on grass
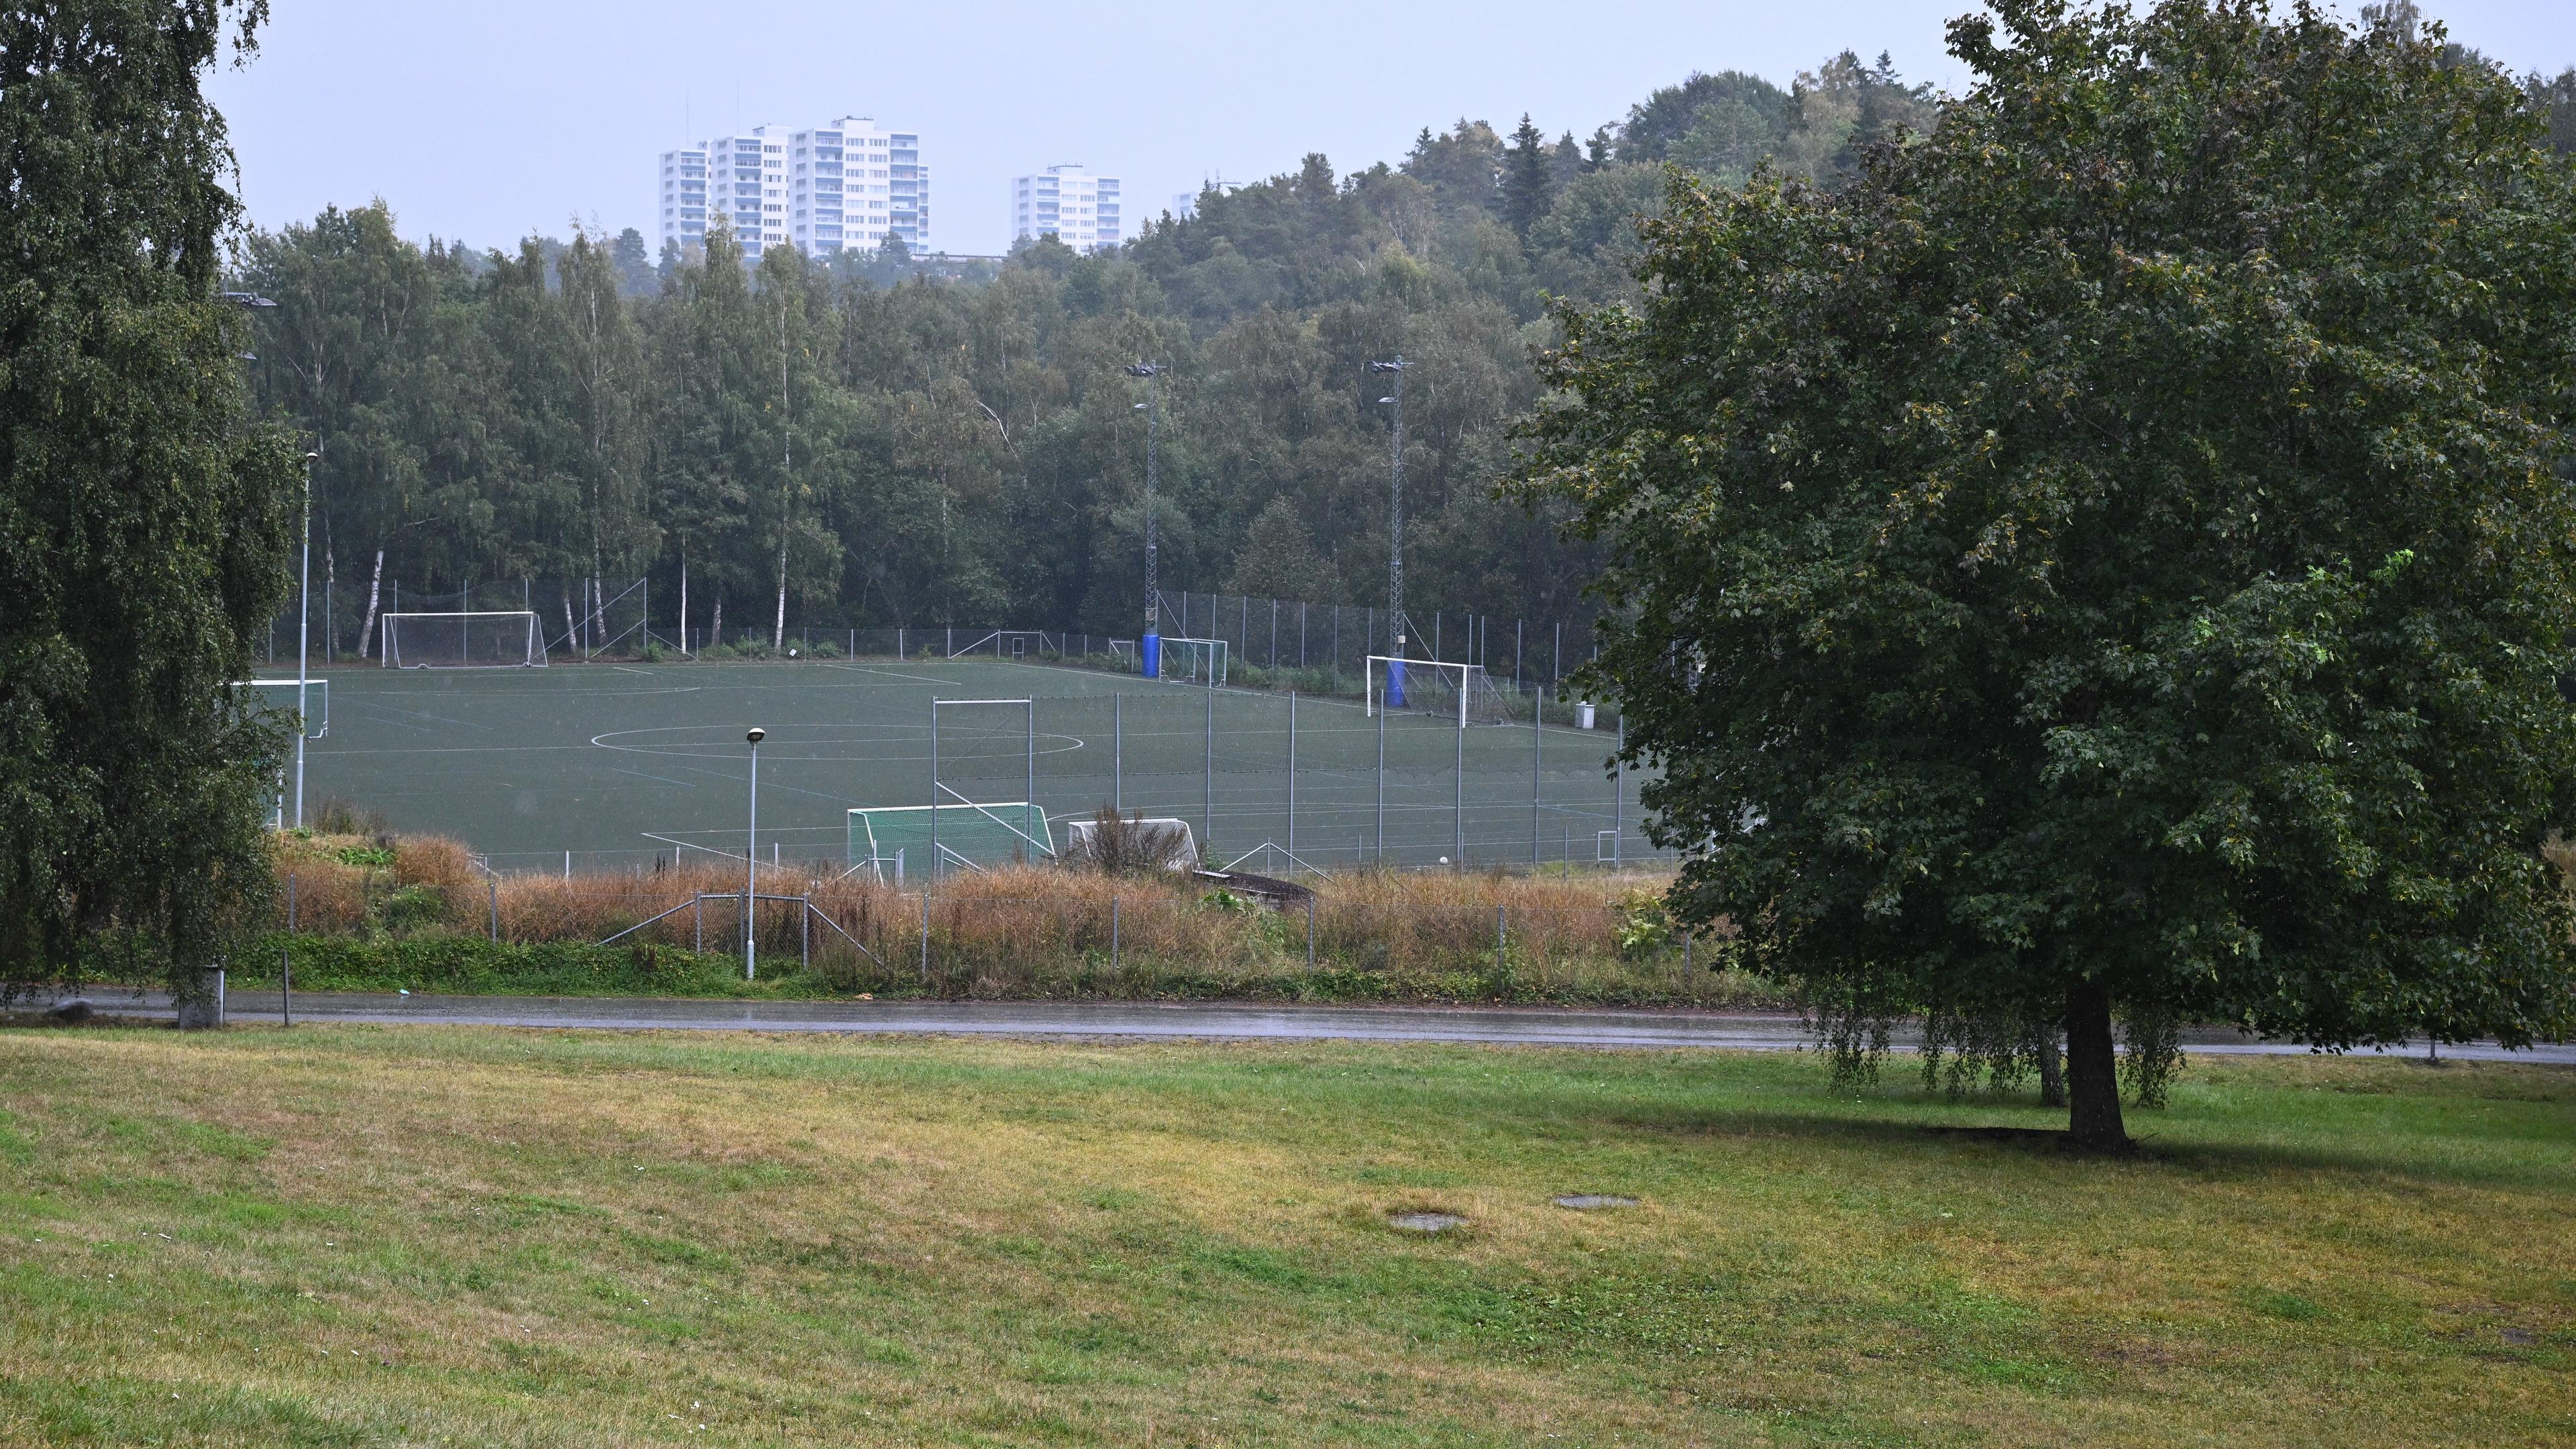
point(2149, 1147)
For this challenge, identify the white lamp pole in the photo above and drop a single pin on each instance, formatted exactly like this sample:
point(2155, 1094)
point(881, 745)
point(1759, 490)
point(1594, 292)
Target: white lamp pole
point(751, 865)
point(304, 640)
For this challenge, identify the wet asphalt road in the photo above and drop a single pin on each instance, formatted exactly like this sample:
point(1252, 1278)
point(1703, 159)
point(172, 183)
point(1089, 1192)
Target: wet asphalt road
point(1221, 1021)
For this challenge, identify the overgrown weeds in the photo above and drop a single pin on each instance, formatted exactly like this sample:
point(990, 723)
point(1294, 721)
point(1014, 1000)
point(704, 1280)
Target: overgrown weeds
point(1129, 931)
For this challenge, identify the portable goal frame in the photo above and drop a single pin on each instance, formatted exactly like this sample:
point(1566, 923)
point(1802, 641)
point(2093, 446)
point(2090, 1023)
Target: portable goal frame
point(503, 625)
point(1392, 681)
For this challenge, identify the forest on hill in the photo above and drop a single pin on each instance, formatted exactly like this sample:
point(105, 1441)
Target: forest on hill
point(886, 441)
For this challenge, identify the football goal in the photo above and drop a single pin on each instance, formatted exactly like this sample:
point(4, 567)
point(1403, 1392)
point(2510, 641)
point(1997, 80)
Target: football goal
point(931, 840)
point(278, 696)
point(1460, 692)
point(1192, 661)
point(497, 639)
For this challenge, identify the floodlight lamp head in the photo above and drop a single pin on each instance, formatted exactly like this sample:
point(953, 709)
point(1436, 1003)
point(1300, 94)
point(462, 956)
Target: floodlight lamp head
point(1386, 399)
point(1145, 369)
point(755, 734)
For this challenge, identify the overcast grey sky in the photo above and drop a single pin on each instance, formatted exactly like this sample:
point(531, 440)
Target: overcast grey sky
point(484, 120)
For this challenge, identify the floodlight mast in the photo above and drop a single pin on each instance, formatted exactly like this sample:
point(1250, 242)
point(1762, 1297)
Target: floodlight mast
point(1395, 506)
point(1153, 425)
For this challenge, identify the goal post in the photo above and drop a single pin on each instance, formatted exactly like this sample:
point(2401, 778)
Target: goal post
point(894, 841)
point(469, 639)
point(1192, 661)
point(1463, 693)
point(277, 696)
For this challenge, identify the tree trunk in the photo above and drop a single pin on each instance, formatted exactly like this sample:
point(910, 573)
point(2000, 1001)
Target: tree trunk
point(2092, 1072)
point(374, 585)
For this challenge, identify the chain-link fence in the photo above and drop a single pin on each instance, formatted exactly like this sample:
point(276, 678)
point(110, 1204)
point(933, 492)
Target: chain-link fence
point(1273, 643)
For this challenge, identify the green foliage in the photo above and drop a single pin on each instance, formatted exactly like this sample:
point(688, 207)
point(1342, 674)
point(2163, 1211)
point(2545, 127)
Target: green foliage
point(144, 526)
point(2111, 555)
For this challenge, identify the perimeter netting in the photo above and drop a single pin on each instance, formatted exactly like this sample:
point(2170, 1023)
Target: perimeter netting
point(479, 640)
point(1463, 693)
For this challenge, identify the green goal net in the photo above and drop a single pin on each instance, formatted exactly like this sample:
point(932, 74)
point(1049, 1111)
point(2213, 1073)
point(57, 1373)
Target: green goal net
point(896, 841)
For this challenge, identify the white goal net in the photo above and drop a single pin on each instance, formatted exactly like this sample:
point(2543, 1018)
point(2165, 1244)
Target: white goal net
point(497, 639)
point(1192, 661)
point(1460, 692)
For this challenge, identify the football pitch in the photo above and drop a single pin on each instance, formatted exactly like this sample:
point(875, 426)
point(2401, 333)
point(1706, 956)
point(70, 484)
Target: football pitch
point(618, 763)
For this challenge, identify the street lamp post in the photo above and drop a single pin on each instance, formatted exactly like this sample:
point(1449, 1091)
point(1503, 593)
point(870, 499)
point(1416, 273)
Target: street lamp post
point(1149, 648)
point(751, 864)
point(304, 639)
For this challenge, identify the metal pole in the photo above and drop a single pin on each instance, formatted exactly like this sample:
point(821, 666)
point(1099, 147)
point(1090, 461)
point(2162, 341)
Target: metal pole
point(934, 827)
point(1207, 779)
point(1031, 808)
point(1310, 931)
point(304, 641)
point(1113, 935)
point(805, 933)
point(751, 871)
point(925, 933)
point(1381, 787)
point(1458, 809)
point(1118, 752)
point(1538, 749)
point(1395, 507)
point(495, 888)
point(1556, 656)
point(1499, 934)
point(1619, 796)
point(286, 961)
point(1292, 782)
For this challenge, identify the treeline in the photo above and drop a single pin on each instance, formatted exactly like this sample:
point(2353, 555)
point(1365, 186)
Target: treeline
point(878, 442)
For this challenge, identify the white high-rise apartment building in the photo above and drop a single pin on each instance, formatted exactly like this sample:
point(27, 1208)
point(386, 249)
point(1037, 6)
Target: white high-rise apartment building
point(850, 183)
point(1067, 203)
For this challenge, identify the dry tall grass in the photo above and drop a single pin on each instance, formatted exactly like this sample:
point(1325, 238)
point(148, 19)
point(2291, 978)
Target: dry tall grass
point(1042, 931)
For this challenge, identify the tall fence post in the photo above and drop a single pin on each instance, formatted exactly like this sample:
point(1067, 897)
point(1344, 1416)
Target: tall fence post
point(1310, 931)
point(1499, 933)
point(493, 887)
point(698, 917)
point(925, 935)
point(1113, 936)
point(286, 961)
point(1381, 787)
point(1292, 783)
point(1538, 751)
point(1118, 751)
point(805, 933)
point(1207, 778)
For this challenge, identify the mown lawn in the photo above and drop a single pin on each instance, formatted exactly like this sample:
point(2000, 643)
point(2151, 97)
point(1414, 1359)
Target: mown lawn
point(354, 1236)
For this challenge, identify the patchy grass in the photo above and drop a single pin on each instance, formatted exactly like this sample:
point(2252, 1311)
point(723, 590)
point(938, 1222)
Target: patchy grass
point(355, 1236)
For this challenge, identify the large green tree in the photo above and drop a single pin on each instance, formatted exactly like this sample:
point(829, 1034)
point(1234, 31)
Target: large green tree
point(2107, 561)
point(144, 527)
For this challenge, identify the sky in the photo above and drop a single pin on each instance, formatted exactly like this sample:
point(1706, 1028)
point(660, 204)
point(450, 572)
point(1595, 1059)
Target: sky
point(486, 120)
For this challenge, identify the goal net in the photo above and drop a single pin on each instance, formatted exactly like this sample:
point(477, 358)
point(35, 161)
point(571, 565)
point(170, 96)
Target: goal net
point(1460, 692)
point(930, 840)
point(277, 696)
point(469, 640)
point(1192, 661)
